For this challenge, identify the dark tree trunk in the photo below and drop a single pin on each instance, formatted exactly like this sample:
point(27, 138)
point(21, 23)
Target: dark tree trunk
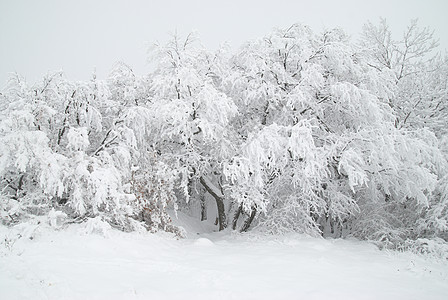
point(20, 185)
point(219, 204)
point(249, 220)
point(221, 214)
point(236, 216)
point(203, 207)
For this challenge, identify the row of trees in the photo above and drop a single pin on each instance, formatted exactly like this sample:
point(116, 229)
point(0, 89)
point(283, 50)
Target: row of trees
point(297, 131)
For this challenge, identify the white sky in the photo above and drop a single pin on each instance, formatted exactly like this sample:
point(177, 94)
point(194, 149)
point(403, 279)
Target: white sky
point(80, 35)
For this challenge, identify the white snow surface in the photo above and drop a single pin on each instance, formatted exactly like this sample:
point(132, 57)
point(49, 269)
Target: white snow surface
point(79, 263)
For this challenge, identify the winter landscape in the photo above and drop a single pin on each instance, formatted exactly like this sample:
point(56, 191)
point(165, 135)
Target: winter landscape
point(305, 164)
point(91, 261)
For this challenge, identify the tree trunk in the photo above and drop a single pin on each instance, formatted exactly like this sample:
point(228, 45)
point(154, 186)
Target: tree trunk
point(219, 203)
point(249, 220)
point(236, 216)
point(203, 207)
point(221, 214)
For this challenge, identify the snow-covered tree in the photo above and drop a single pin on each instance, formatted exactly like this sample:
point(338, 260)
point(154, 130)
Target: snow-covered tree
point(296, 131)
point(418, 72)
point(351, 154)
point(74, 146)
point(191, 118)
point(417, 82)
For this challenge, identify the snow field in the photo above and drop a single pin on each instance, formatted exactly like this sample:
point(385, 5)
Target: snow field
point(70, 264)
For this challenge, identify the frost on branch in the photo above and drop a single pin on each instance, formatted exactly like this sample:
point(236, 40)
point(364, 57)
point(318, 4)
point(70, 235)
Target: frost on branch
point(78, 139)
point(351, 165)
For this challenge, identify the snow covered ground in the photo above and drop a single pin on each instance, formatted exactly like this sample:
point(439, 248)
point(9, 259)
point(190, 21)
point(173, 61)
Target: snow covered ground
point(108, 264)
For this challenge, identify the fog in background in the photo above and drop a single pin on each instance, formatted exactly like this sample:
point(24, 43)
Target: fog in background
point(81, 36)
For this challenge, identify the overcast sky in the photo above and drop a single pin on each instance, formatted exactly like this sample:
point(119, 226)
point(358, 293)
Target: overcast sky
point(80, 35)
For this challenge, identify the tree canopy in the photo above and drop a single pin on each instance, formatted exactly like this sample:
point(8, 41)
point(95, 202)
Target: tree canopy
point(296, 131)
